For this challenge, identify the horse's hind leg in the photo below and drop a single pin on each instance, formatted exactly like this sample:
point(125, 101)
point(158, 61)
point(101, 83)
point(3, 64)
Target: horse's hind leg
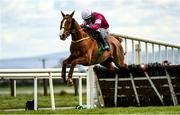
point(108, 64)
point(119, 62)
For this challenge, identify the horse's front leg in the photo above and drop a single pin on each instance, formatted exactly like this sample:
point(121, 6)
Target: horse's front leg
point(80, 60)
point(63, 73)
point(69, 79)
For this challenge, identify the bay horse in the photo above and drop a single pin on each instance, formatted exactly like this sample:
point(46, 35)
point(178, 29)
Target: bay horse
point(84, 49)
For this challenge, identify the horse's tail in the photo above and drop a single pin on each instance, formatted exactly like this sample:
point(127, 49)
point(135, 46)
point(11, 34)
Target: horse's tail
point(117, 37)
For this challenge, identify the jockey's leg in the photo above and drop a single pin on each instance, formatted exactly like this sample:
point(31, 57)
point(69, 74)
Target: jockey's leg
point(102, 39)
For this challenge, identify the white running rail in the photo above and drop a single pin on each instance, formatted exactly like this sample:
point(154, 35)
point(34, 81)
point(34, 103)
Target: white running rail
point(36, 74)
point(138, 45)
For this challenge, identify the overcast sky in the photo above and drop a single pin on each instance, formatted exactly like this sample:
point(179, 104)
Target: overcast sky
point(31, 27)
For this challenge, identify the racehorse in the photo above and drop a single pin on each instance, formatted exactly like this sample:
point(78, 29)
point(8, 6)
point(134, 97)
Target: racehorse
point(84, 49)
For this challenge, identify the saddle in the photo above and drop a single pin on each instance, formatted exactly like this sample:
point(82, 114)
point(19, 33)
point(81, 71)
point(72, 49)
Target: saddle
point(94, 34)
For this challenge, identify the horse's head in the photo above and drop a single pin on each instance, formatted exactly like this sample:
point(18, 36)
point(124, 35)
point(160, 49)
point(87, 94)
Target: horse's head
point(66, 25)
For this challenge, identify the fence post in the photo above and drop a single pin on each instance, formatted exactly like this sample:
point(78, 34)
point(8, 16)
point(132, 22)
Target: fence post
point(153, 53)
point(159, 54)
point(138, 53)
point(35, 93)
point(51, 91)
point(80, 90)
point(91, 88)
point(126, 51)
point(172, 55)
point(116, 90)
point(146, 51)
point(13, 87)
point(132, 55)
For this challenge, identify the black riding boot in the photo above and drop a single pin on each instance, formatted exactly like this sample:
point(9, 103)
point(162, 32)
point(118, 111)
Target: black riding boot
point(104, 43)
point(101, 40)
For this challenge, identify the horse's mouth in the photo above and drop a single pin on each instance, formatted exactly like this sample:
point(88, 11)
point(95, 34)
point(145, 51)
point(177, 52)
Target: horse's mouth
point(62, 37)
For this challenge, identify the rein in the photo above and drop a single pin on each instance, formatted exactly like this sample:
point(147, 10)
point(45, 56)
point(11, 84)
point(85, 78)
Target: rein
point(73, 31)
point(80, 40)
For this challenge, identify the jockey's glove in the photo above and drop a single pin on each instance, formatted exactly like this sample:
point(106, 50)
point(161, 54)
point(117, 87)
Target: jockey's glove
point(85, 27)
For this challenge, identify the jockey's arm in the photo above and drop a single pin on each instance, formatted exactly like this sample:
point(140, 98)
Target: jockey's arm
point(97, 24)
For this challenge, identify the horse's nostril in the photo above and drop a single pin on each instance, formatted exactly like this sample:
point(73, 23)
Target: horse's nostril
point(62, 37)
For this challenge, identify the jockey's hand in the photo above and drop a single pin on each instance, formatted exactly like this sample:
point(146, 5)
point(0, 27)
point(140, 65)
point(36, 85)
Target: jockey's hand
point(82, 25)
point(85, 27)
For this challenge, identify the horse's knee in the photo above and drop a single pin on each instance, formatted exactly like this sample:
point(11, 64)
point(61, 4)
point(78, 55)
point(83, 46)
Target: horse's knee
point(70, 75)
point(64, 62)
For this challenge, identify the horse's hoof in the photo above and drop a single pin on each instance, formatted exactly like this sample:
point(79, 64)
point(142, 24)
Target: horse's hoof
point(70, 82)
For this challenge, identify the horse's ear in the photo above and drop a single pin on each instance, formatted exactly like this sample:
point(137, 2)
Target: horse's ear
point(62, 14)
point(72, 13)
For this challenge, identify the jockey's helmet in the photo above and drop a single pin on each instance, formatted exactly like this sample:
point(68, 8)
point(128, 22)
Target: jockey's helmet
point(86, 14)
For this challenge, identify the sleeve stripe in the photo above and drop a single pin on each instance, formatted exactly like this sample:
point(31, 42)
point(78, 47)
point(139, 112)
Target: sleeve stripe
point(98, 21)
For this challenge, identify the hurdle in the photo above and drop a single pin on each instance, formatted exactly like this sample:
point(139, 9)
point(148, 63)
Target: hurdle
point(156, 81)
point(135, 47)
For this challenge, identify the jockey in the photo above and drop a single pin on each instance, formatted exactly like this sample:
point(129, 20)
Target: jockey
point(97, 22)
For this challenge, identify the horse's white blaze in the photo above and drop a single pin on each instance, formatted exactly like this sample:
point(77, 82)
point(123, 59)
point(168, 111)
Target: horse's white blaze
point(62, 29)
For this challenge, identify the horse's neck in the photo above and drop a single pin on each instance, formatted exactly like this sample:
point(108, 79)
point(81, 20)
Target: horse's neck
point(79, 33)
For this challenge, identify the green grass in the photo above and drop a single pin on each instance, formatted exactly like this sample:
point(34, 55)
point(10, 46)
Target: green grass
point(66, 100)
point(69, 100)
point(120, 110)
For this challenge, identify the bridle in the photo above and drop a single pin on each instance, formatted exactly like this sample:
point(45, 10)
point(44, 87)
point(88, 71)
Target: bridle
point(72, 30)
